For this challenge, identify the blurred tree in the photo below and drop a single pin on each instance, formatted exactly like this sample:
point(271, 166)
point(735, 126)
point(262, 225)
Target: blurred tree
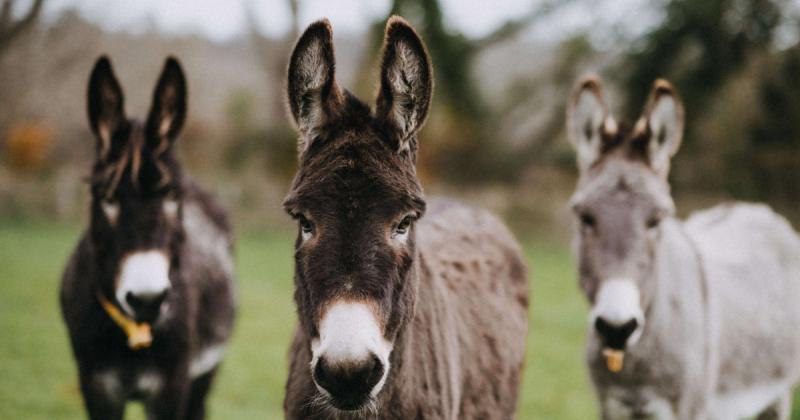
point(274, 52)
point(698, 45)
point(704, 48)
point(768, 168)
point(10, 27)
point(280, 138)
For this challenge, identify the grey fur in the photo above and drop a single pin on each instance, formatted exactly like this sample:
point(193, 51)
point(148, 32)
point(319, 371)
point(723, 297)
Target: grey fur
point(718, 291)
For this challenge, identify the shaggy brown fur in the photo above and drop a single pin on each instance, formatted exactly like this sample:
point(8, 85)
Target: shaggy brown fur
point(452, 298)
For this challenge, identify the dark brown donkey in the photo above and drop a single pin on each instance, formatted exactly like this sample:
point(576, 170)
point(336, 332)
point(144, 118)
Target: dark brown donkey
point(401, 317)
point(148, 295)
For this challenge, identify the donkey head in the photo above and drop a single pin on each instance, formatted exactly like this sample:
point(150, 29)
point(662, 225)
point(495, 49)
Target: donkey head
point(356, 198)
point(622, 197)
point(136, 191)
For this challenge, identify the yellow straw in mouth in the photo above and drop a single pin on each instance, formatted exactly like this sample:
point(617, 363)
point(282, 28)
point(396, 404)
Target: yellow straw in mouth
point(614, 359)
point(139, 335)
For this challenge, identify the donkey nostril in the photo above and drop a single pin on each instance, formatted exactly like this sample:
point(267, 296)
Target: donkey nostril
point(615, 335)
point(321, 372)
point(158, 299)
point(377, 369)
point(132, 300)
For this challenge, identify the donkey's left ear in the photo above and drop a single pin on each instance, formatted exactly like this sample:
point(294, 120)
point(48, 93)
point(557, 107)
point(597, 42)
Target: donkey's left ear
point(661, 126)
point(406, 84)
point(168, 111)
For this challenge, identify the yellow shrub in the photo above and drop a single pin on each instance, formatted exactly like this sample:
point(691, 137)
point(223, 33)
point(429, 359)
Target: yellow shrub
point(28, 145)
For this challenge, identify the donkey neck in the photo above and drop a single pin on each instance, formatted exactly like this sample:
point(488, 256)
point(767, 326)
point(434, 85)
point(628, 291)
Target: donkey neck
point(680, 289)
point(420, 374)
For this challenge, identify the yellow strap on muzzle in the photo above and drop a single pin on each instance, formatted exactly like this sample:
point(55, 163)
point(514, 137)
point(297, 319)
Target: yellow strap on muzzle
point(139, 335)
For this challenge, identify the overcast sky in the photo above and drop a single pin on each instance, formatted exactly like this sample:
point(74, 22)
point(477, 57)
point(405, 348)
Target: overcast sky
point(222, 20)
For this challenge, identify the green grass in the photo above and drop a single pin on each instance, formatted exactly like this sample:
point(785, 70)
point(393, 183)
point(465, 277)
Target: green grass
point(37, 373)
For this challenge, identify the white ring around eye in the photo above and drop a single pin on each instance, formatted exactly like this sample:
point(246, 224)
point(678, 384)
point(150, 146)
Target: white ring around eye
point(110, 210)
point(401, 236)
point(305, 235)
point(170, 208)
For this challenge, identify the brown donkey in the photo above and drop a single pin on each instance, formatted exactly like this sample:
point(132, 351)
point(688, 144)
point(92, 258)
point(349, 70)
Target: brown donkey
point(400, 316)
point(148, 295)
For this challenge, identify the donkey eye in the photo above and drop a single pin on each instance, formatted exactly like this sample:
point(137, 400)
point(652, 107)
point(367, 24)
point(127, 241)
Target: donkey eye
point(403, 226)
point(306, 227)
point(587, 220)
point(653, 221)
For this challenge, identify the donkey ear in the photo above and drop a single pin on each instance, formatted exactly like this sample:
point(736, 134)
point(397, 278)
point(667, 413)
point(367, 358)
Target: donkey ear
point(168, 111)
point(313, 95)
point(661, 126)
point(105, 104)
point(406, 84)
point(587, 120)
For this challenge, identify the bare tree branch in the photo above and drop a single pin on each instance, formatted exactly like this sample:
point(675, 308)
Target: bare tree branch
point(273, 53)
point(5, 13)
point(10, 29)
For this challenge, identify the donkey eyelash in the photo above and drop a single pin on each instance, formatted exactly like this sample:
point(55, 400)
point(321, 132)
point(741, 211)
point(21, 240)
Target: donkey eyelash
point(304, 222)
point(306, 226)
point(294, 214)
point(404, 224)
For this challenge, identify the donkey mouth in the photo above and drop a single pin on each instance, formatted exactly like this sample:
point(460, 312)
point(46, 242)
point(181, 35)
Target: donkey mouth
point(351, 404)
point(148, 318)
point(615, 338)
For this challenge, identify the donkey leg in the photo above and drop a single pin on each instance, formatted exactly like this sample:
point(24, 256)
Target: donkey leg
point(170, 403)
point(102, 395)
point(196, 404)
point(781, 409)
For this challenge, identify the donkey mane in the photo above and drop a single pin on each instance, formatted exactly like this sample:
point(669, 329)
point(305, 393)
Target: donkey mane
point(628, 142)
point(621, 139)
point(335, 152)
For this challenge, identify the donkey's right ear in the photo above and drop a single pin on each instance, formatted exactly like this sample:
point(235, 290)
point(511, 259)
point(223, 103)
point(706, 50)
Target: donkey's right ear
point(313, 94)
point(587, 120)
point(105, 104)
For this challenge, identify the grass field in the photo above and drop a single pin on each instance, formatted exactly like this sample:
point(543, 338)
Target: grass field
point(37, 373)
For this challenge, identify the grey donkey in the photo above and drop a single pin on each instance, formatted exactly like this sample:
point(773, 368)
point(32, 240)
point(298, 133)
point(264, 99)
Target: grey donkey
point(694, 319)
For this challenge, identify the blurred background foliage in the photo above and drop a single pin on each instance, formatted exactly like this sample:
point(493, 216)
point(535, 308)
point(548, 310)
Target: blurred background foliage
point(495, 134)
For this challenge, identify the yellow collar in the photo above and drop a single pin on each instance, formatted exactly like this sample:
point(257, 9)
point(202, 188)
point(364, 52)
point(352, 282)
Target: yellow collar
point(139, 336)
